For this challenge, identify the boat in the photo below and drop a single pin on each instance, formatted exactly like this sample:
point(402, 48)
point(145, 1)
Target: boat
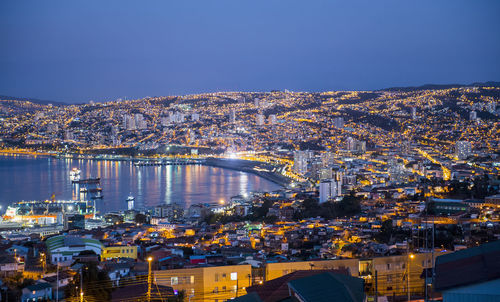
point(95, 193)
point(130, 202)
point(47, 211)
point(95, 180)
point(74, 174)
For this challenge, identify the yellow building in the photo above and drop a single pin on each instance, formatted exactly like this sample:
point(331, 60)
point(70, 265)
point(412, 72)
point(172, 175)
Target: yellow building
point(119, 251)
point(221, 283)
point(392, 273)
point(218, 283)
point(276, 270)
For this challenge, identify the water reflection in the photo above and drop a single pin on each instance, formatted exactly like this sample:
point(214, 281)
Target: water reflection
point(29, 178)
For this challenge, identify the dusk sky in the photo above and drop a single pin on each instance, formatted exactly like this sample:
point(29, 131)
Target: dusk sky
point(76, 51)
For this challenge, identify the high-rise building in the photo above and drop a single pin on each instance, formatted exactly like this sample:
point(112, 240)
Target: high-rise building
point(360, 146)
point(300, 161)
point(256, 103)
point(232, 116)
point(338, 122)
point(463, 149)
point(473, 115)
point(350, 144)
point(129, 122)
point(260, 119)
point(272, 119)
point(53, 127)
point(397, 170)
point(491, 107)
point(413, 112)
point(325, 173)
point(327, 158)
point(140, 122)
point(176, 117)
point(327, 190)
point(68, 135)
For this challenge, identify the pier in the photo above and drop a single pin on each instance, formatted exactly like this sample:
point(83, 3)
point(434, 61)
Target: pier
point(170, 162)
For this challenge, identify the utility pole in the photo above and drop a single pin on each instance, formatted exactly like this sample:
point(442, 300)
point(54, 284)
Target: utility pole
point(408, 279)
point(236, 287)
point(57, 283)
point(432, 261)
point(149, 278)
point(81, 284)
point(376, 286)
point(410, 257)
point(43, 263)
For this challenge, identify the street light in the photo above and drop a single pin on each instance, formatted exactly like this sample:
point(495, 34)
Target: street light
point(410, 257)
point(43, 262)
point(149, 277)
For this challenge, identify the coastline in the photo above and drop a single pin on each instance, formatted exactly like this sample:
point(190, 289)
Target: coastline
point(260, 169)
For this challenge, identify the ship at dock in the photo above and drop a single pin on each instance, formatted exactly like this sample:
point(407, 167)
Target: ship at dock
point(95, 180)
point(47, 211)
point(88, 187)
point(74, 174)
point(130, 202)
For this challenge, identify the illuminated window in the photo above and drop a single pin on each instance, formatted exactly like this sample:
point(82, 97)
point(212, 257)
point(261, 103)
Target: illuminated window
point(234, 276)
point(174, 280)
point(191, 279)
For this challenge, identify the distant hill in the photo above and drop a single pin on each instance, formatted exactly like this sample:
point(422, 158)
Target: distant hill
point(442, 86)
point(37, 101)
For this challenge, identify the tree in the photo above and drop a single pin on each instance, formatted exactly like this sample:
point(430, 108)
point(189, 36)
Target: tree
point(96, 283)
point(270, 219)
point(311, 207)
point(386, 231)
point(348, 206)
point(260, 212)
point(140, 218)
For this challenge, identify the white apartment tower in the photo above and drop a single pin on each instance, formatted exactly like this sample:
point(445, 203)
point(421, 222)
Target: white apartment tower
point(338, 122)
point(473, 115)
point(350, 144)
point(272, 119)
point(327, 190)
point(232, 116)
point(300, 161)
point(260, 119)
point(463, 149)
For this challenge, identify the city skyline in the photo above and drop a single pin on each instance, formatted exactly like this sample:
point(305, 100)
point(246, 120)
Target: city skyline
point(261, 151)
point(75, 52)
